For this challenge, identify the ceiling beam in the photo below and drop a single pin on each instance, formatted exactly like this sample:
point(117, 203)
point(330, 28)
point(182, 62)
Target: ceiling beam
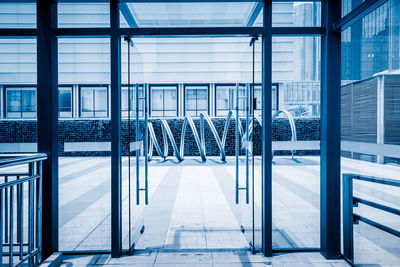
point(254, 14)
point(127, 13)
point(356, 14)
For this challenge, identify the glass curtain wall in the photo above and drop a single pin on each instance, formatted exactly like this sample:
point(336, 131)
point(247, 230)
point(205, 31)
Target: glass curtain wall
point(370, 125)
point(18, 95)
point(84, 145)
point(295, 170)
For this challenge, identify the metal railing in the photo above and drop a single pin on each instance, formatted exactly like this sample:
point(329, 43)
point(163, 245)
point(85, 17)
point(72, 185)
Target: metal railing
point(349, 217)
point(20, 209)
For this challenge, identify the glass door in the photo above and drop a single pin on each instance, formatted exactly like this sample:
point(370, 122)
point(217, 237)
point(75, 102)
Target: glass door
point(248, 157)
point(134, 105)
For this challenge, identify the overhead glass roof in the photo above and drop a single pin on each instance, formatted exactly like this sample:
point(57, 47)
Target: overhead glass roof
point(200, 14)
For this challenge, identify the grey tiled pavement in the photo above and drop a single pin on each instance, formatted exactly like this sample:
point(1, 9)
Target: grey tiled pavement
point(192, 218)
point(212, 258)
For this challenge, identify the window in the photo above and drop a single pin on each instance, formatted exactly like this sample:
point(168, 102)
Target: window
point(196, 99)
point(20, 102)
point(125, 104)
point(94, 101)
point(65, 102)
point(225, 98)
point(164, 100)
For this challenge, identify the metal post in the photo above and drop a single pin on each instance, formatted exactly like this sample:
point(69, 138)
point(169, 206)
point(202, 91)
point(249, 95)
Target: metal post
point(1, 226)
point(146, 145)
point(31, 213)
point(39, 210)
point(267, 130)
point(47, 115)
point(330, 132)
point(116, 200)
point(247, 142)
point(237, 142)
point(11, 233)
point(348, 241)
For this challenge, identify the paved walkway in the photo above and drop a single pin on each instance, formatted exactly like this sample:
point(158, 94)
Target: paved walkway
point(192, 216)
point(215, 258)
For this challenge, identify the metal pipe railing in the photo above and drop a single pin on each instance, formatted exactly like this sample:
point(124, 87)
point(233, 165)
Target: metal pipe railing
point(21, 238)
point(241, 134)
point(349, 217)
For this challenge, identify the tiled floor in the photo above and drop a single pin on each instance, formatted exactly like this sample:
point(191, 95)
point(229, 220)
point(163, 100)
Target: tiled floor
point(212, 258)
point(192, 216)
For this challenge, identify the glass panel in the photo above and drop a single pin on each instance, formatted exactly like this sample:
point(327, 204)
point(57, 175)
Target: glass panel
point(226, 98)
point(21, 102)
point(349, 5)
point(65, 102)
point(370, 118)
point(163, 100)
point(83, 15)
point(85, 148)
point(18, 123)
point(223, 100)
point(249, 156)
point(17, 15)
point(294, 14)
point(87, 99)
point(100, 102)
point(134, 157)
point(196, 100)
point(223, 14)
point(296, 173)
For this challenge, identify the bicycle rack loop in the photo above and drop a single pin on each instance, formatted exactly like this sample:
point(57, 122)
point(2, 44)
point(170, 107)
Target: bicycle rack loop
point(200, 139)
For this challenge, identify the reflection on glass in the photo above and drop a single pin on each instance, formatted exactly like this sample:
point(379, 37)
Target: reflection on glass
point(226, 98)
point(223, 14)
point(18, 15)
point(94, 102)
point(83, 15)
point(163, 100)
point(65, 101)
point(296, 173)
point(196, 100)
point(21, 102)
point(370, 117)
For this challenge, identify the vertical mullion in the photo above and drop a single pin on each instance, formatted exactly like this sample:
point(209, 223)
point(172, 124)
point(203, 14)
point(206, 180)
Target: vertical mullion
point(47, 119)
point(267, 130)
point(39, 210)
point(11, 243)
point(1, 227)
point(116, 200)
point(330, 132)
point(20, 206)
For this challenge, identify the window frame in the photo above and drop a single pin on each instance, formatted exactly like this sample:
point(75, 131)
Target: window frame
point(124, 112)
point(151, 86)
point(205, 86)
point(20, 88)
point(66, 87)
point(94, 87)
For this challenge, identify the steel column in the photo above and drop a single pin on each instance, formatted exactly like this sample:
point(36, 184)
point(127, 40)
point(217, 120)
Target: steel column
point(116, 197)
point(47, 116)
point(330, 133)
point(267, 130)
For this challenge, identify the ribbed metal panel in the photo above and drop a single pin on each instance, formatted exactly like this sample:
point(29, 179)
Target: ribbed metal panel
point(365, 111)
point(392, 109)
point(346, 110)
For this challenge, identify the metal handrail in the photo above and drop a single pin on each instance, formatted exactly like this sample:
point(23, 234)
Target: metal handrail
point(349, 217)
point(12, 202)
point(9, 160)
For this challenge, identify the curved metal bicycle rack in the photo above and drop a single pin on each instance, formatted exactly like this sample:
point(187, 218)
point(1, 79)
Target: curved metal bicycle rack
point(200, 139)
